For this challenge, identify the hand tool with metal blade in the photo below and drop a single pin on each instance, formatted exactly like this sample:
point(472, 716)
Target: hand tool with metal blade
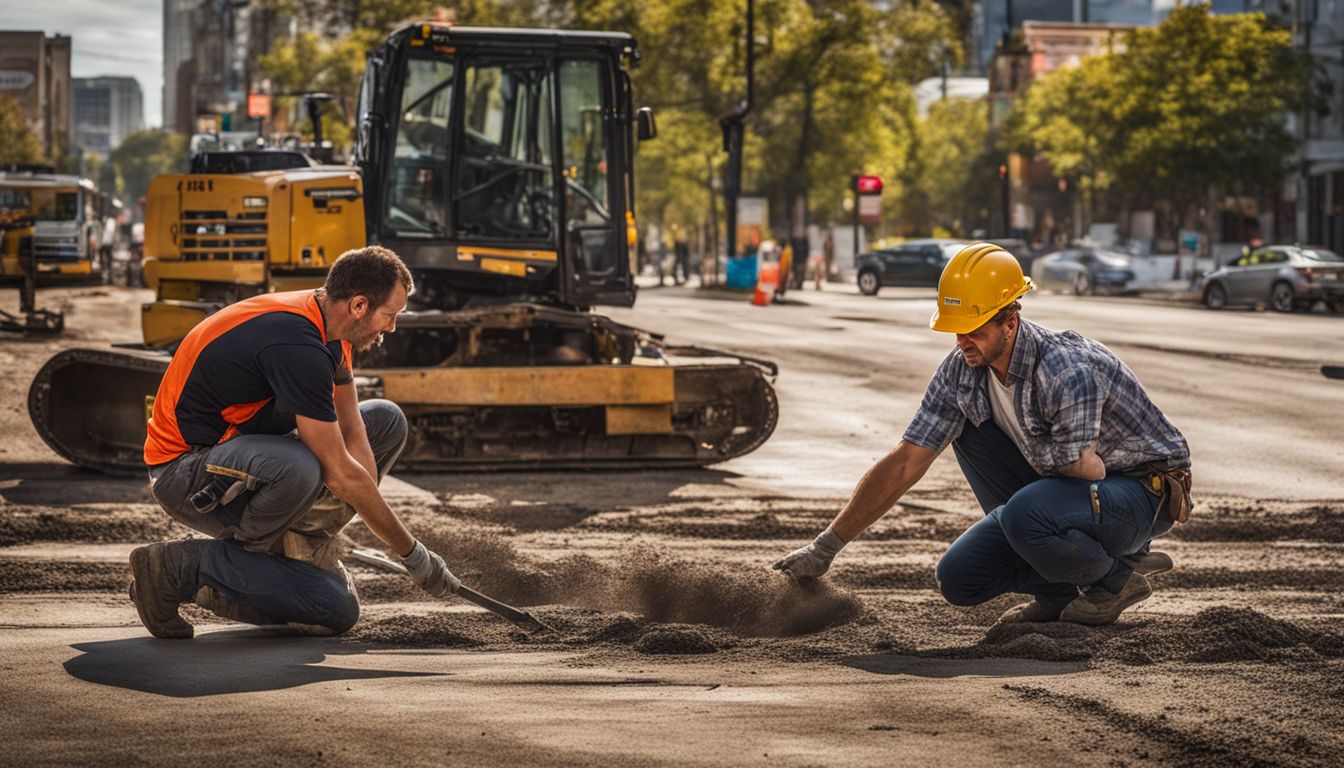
point(522, 619)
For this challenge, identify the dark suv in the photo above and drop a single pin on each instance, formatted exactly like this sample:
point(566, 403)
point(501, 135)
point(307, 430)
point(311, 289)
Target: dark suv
point(917, 262)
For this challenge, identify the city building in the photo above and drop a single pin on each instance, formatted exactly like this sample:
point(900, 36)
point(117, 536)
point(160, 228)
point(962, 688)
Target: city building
point(210, 53)
point(1315, 192)
point(990, 19)
point(35, 72)
point(106, 111)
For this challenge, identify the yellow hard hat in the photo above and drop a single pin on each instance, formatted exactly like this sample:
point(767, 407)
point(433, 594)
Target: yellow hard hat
point(979, 281)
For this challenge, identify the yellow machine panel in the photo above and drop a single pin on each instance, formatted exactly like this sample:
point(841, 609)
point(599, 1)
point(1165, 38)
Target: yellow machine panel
point(326, 220)
point(552, 385)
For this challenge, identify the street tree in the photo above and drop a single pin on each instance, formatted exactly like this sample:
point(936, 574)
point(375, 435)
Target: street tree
point(18, 143)
point(950, 172)
point(1180, 110)
point(145, 154)
point(1202, 101)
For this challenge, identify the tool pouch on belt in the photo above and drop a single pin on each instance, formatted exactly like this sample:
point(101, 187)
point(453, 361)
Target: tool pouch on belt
point(225, 485)
point(1172, 487)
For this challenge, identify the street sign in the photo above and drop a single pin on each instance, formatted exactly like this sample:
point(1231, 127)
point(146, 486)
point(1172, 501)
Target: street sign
point(258, 105)
point(870, 209)
point(753, 211)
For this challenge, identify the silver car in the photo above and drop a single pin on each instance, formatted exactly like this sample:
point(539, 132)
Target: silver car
point(1084, 271)
point(1282, 277)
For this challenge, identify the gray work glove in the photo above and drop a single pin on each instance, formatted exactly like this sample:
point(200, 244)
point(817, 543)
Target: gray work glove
point(814, 559)
point(429, 572)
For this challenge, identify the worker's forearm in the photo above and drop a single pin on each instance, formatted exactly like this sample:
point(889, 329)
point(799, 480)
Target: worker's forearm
point(358, 446)
point(879, 490)
point(1089, 466)
point(356, 488)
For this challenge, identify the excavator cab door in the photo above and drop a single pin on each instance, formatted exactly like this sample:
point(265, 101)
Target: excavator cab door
point(594, 139)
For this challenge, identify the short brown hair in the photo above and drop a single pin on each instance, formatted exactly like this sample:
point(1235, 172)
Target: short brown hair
point(371, 272)
point(1003, 314)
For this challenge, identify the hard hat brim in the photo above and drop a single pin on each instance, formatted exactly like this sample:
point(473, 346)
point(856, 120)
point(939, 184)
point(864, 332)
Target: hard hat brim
point(953, 324)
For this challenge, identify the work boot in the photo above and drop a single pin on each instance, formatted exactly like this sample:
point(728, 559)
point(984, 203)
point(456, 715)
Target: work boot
point(1098, 605)
point(1150, 563)
point(164, 577)
point(1028, 612)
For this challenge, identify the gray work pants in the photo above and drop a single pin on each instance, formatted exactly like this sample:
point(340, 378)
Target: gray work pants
point(274, 555)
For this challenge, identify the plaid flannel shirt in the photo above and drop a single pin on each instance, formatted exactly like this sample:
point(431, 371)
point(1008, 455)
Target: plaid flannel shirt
point(1070, 392)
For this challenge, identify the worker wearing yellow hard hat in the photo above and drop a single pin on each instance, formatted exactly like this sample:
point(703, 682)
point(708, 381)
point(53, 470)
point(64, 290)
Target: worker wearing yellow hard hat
point(1074, 466)
point(979, 281)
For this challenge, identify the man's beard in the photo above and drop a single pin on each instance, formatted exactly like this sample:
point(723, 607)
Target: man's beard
point(989, 356)
point(370, 342)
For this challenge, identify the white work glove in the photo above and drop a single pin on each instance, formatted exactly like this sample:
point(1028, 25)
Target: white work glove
point(429, 572)
point(814, 559)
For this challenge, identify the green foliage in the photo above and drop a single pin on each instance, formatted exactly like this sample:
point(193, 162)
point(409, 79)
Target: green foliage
point(1192, 104)
point(950, 174)
point(18, 143)
point(144, 155)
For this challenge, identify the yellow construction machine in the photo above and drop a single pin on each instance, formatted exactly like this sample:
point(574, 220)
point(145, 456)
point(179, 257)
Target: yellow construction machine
point(498, 164)
point(65, 216)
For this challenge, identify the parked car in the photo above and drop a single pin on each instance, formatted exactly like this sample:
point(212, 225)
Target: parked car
point(1282, 277)
point(1084, 271)
point(916, 262)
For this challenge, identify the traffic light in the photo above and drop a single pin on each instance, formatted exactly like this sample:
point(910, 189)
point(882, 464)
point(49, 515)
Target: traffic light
point(868, 185)
point(226, 122)
point(1003, 171)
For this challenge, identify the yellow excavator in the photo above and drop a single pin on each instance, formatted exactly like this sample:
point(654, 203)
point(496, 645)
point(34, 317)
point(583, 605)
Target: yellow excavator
point(499, 164)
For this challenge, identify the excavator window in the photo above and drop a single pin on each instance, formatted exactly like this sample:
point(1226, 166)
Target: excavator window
point(583, 138)
point(418, 205)
point(504, 181)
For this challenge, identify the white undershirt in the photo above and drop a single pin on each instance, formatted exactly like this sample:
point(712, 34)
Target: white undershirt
point(1001, 397)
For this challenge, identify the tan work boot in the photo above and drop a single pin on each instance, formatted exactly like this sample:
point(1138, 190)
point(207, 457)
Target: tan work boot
point(1028, 612)
point(160, 573)
point(1098, 605)
point(1151, 563)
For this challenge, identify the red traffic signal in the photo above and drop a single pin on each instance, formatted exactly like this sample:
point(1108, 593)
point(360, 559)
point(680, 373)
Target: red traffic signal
point(868, 185)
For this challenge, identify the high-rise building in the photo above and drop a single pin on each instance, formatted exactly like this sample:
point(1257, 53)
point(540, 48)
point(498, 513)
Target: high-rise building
point(178, 68)
point(210, 52)
point(1316, 190)
point(107, 109)
point(35, 72)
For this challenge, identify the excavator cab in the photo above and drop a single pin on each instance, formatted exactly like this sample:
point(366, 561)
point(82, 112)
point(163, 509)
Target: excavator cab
point(497, 163)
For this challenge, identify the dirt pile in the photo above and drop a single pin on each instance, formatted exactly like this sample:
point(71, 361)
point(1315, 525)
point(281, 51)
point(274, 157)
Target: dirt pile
point(675, 639)
point(1220, 635)
point(1213, 635)
point(1261, 522)
point(97, 523)
point(645, 581)
point(438, 630)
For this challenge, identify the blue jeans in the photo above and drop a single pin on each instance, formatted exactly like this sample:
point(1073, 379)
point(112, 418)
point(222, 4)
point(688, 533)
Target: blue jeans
point(244, 562)
point(1040, 535)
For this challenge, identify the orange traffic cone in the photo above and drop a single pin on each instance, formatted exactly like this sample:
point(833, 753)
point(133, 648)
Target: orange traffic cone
point(765, 285)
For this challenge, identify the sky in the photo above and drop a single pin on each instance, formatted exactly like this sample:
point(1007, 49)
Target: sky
point(108, 37)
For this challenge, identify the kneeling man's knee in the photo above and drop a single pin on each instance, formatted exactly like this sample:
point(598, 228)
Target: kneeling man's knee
point(344, 614)
point(953, 584)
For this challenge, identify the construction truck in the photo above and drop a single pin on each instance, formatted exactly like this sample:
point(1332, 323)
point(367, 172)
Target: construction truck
point(499, 164)
point(65, 212)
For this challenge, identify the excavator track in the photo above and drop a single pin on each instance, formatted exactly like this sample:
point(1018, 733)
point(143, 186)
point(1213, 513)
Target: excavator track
point(595, 393)
point(89, 405)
